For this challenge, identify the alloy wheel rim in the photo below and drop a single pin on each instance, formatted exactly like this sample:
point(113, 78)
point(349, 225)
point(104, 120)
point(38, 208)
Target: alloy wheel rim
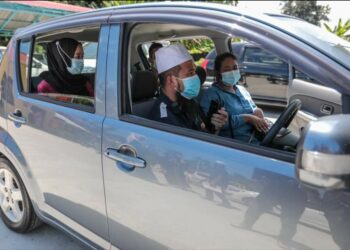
point(11, 200)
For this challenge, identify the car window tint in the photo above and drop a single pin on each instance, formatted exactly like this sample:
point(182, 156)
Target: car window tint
point(23, 58)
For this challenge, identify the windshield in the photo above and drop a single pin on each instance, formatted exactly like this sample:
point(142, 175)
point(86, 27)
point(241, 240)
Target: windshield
point(326, 42)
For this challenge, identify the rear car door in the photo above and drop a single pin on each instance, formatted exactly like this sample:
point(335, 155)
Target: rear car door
point(170, 187)
point(59, 145)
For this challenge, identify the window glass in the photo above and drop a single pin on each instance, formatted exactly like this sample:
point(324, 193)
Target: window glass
point(258, 55)
point(24, 51)
point(302, 76)
point(72, 59)
point(90, 55)
point(39, 63)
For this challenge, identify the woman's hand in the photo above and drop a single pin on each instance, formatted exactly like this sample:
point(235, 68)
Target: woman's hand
point(259, 123)
point(258, 112)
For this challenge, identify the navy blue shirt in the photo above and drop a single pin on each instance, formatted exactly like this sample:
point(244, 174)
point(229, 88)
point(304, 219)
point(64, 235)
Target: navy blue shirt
point(185, 113)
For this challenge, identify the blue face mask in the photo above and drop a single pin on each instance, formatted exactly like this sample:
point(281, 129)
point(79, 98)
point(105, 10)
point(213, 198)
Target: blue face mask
point(231, 78)
point(77, 66)
point(192, 86)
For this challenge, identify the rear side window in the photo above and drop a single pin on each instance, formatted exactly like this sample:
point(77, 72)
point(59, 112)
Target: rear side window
point(24, 56)
point(60, 67)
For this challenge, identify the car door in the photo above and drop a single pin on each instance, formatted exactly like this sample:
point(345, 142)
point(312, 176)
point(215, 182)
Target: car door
point(59, 145)
point(169, 187)
point(264, 75)
point(318, 100)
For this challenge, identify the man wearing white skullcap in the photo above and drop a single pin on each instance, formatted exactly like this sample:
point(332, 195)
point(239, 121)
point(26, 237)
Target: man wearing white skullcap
point(179, 86)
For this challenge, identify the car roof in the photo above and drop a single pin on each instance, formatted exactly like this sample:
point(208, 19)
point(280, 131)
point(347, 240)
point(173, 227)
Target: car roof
point(196, 7)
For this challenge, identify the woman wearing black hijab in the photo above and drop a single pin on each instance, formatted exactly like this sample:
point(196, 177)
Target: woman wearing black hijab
point(65, 62)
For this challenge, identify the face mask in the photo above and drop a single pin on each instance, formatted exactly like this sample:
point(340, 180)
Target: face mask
point(231, 78)
point(77, 65)
point(192, 85)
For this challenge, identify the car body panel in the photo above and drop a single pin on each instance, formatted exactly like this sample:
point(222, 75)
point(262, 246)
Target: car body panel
point(193, 193)
point(51, 144)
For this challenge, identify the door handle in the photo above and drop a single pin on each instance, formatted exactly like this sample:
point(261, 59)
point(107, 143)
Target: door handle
point(17, 117)
point(119, 156)
point(327, 109)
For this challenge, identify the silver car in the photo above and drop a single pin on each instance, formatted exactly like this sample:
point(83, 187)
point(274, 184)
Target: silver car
point(99, 169)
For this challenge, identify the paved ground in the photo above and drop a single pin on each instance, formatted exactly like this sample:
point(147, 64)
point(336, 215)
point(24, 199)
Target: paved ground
point(44, 238)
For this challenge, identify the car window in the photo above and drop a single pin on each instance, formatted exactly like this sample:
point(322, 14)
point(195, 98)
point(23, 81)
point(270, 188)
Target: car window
point(24, 50)
point(90, 55)
point(59, 70)
point(258, 55)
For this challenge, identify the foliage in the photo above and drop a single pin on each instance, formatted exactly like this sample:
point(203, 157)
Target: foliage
point(341, 30)
point(309, 11)
point(195, 46)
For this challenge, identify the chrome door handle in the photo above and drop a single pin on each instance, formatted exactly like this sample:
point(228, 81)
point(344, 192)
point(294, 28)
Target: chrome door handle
point(114, 154)
point(17, 117)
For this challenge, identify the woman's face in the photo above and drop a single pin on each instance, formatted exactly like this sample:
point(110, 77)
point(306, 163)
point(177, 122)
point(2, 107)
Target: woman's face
point(79, 52)
point(228, 64)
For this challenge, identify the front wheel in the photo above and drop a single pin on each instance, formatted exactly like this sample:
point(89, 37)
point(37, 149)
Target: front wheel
point(16, 209)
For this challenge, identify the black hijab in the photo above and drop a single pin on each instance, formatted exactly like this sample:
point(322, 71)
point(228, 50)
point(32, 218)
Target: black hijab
point(58, 75)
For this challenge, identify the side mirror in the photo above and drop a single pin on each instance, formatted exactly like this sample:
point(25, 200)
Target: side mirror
point(323, 154)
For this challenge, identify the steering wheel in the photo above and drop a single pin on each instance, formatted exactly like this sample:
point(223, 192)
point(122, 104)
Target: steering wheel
point(283, 121)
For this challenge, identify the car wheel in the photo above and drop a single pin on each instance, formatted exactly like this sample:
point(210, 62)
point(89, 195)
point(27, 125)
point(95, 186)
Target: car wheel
point(16, 209)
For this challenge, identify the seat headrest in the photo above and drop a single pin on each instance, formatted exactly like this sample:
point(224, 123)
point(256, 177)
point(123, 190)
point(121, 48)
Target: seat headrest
point(144, 85)
point(201, 74)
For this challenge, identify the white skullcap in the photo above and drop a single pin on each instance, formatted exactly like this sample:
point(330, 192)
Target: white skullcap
point(171, 56)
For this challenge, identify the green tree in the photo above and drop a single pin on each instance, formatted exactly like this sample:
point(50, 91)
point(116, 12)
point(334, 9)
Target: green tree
point(341, 30)
point(309, 11)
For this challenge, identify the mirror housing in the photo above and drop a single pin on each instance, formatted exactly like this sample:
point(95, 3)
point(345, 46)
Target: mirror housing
point(323, 153)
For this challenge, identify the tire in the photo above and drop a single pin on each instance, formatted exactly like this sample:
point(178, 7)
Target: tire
point(16, 209)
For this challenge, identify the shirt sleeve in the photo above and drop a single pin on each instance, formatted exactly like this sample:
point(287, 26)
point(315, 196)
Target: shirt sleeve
point(237, 120)
point(45, 87)
point(248, 97)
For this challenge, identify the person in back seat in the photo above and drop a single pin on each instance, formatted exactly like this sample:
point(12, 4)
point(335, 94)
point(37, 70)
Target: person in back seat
point(179, 86)
point(65, 62)
point(152, 58)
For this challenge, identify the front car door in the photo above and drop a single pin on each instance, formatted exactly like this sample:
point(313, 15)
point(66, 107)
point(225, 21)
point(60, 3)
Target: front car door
point(58, 143)
point(170, 187)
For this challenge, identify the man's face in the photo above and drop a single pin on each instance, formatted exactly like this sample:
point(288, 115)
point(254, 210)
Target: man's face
point(187, 69)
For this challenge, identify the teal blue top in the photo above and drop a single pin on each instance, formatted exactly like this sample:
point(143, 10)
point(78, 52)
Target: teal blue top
point(236, 105)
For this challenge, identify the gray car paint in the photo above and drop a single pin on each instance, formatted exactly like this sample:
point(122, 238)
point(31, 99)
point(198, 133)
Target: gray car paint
point(165, 205)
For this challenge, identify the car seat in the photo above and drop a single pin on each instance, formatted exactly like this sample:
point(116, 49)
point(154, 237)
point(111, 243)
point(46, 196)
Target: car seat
point(144, 86)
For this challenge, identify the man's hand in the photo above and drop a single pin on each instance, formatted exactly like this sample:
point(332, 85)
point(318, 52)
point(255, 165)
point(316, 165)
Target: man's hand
point(219, 119)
